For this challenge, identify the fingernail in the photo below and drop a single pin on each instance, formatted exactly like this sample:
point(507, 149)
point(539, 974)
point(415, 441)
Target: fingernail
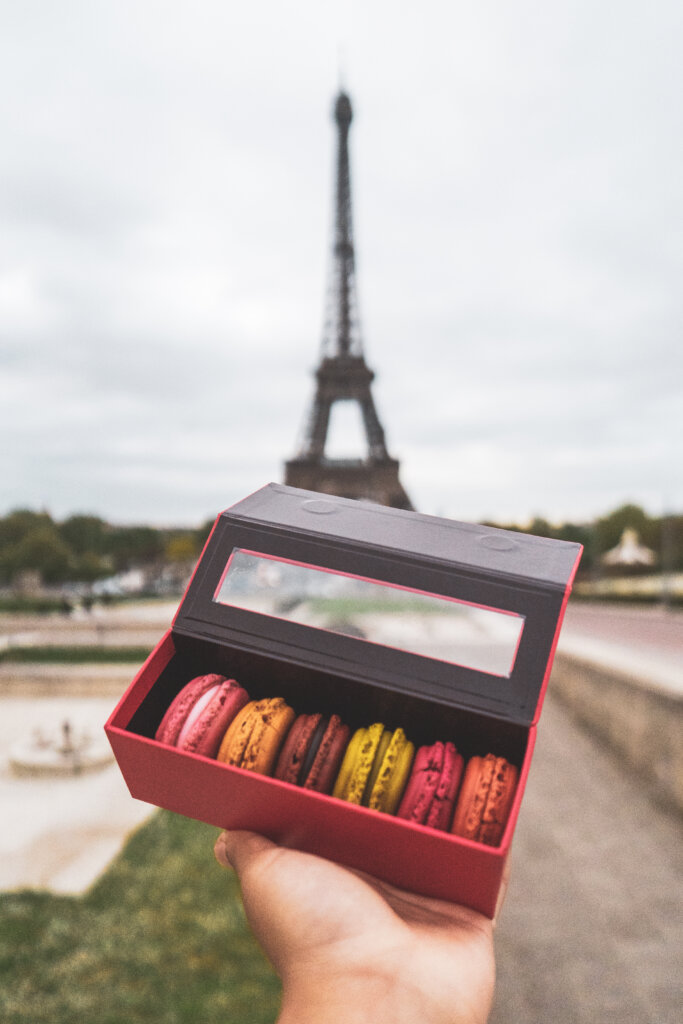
point(220, 851)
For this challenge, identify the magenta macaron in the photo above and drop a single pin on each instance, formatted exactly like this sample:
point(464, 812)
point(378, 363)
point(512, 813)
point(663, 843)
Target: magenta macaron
point(197, 718)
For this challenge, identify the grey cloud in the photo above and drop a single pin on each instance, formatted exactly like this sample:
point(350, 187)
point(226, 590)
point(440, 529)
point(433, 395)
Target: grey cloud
point(46, 200)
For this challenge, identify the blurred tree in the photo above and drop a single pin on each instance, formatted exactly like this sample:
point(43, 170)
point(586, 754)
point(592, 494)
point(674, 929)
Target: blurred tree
point(90, 567)
point(15, 526)
point(540, 527)
point(609, 529)
point(181, 548)
point(669, 542)
point(86, 547)
point(42, 550)
point(134, 545)
point(85, 534)
point(579, 534)
point(202, 534)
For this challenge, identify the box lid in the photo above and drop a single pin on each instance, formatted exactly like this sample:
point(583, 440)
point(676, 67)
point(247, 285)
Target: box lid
point(463, 614)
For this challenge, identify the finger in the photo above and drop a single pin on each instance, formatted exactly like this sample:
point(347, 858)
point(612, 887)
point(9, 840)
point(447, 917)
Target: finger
point(220, 851)
point(239, 848)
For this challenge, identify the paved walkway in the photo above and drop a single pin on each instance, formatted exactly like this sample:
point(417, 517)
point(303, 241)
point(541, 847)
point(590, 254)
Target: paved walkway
point(592, 929)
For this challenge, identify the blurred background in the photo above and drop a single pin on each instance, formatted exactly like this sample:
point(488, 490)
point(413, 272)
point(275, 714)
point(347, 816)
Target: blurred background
point(167, 190)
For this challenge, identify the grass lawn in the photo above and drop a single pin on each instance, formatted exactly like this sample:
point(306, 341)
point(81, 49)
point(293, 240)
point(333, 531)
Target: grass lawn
point(161, 937)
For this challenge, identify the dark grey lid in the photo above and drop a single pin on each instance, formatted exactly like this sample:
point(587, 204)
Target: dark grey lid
point(519, 575)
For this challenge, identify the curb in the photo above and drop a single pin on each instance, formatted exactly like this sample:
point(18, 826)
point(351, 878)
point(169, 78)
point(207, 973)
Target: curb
point(640, 723)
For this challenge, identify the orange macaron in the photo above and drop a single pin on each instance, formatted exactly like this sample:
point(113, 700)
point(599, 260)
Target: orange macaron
point(486, 795)
point(256, 734)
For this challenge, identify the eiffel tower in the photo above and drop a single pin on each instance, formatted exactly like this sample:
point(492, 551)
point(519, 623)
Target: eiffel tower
point(343, 375)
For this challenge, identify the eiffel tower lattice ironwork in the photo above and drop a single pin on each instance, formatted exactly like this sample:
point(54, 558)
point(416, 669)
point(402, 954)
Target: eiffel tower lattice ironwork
point(343, 375)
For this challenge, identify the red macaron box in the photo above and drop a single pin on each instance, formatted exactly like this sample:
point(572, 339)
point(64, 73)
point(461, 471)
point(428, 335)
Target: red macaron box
point(445, 629)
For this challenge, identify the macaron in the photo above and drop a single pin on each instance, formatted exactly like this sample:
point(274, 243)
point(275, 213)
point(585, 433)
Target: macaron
point(357, 764)
point(197, 718)
point(312, 752)
point(429, 797)
point(375, 768)
point(390, 771)
point(485, 799)
point(256, 734)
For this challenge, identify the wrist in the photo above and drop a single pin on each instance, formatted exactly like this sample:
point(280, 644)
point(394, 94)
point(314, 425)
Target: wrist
point(344, 1000)
point(363, 997)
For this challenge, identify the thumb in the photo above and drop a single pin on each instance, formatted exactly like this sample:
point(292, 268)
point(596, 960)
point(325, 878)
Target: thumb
point(239, 849)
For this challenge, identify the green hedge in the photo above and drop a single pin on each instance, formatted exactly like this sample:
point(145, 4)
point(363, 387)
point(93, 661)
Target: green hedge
point(75, 655)
point(31, 605)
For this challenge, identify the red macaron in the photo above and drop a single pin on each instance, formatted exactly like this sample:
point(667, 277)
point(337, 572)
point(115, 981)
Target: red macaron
point(312, 752)
point(430, 794)
point(198, 717)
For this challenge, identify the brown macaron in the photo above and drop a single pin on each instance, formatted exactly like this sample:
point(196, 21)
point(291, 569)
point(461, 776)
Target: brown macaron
point(312, 752)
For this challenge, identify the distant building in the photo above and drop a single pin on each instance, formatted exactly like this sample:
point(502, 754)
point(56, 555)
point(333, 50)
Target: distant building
point(629, 551)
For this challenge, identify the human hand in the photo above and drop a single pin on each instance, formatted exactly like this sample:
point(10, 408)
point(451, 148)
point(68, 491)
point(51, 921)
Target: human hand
point(350, 948)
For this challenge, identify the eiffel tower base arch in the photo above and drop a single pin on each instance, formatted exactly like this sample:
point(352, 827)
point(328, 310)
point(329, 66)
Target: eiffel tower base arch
point(373, 480)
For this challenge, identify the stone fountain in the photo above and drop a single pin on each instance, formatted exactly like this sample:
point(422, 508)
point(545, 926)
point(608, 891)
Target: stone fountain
point(65, 750)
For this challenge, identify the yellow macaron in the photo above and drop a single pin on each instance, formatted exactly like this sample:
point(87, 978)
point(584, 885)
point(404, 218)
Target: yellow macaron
point(390, 772)
point(375, 768)
point(357, 764)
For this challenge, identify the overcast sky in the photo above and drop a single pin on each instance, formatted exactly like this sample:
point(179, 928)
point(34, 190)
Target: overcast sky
point(166, 190)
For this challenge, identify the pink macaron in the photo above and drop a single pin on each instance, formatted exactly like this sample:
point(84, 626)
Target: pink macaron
point(432, 787)
point(197, 719)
